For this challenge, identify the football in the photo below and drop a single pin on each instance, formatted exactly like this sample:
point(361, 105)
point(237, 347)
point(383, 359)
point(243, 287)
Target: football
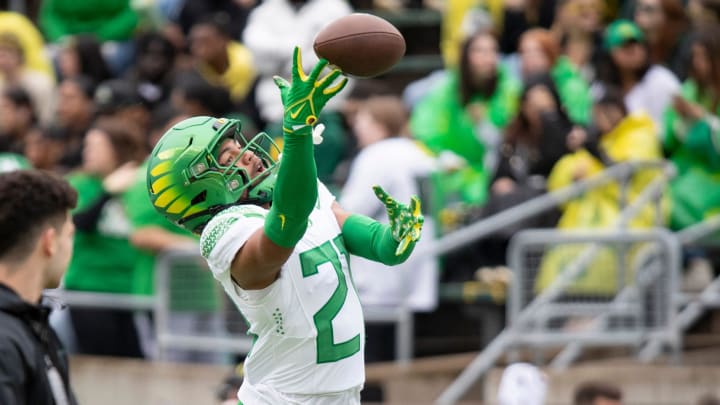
point(361, 45)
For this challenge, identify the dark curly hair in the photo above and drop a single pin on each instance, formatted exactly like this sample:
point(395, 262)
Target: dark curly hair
point(31, 200)
point(587, 393)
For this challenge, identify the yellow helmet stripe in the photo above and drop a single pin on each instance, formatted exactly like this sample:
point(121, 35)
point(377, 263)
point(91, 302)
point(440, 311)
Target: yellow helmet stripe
point(166, 197)
point(162, 183)
point(178, 206)
point(161, 168)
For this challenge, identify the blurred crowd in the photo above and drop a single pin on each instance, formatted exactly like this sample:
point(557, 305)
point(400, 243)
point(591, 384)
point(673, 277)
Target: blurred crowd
point(534, 96)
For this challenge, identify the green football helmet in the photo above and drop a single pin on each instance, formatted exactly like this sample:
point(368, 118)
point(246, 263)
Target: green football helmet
point(187, 183)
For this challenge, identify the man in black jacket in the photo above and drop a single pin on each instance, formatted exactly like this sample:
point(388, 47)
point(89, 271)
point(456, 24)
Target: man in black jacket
point(36, 242)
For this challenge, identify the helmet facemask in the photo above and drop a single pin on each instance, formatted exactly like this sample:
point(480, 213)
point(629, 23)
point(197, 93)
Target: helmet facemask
point(255, 190)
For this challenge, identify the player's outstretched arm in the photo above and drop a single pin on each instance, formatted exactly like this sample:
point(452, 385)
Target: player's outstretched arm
point(295, 193)
point(391, 243)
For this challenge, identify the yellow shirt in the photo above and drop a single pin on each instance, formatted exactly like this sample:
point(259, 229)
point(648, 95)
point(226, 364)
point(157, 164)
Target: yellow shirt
point(240, 74)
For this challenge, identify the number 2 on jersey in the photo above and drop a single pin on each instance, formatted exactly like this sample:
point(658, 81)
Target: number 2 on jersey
point(327, 350)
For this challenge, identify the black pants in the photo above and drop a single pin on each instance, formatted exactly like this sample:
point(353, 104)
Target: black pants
point(106, 332)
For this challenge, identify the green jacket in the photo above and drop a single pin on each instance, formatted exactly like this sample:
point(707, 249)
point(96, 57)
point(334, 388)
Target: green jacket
point(692, 144)
point(109, 20)
point(441, 123)
point(694, 148)
point(573, 89)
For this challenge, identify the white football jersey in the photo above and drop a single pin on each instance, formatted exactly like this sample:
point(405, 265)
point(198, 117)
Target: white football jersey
point(308, 325)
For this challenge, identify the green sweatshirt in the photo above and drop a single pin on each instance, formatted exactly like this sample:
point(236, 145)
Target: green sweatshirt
point(103, 259)
point(109, 20)
point(694, 148)
point(441, 123)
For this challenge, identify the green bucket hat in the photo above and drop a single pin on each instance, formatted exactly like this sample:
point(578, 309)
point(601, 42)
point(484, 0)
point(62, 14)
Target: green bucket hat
point(620, 32)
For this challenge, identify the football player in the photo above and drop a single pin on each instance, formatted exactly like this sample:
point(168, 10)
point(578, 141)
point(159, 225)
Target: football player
point(278, 242)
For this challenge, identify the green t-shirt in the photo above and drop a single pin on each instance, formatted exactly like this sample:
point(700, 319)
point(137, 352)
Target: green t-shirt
point(103, 259)
point(142, 214)
point(192, 285)
point(442, 123)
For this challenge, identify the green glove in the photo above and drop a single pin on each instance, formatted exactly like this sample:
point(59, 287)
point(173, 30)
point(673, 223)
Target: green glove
point(305, 97)
point(405, 222)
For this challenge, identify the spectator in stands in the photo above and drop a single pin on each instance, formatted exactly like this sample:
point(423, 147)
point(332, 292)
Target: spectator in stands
point(626, 65)
point(74, 117)
point(623, 138)
point(44, 148)
point(466, 112)
point(390, 159)
point(691, 127)
point(534, 141)
point(104, 259)
point(113, 22)
point(221, 60)
point(192, 95)
point(666, 27)
point(119, 98)
point(31, 41)
point(192, 11)
point(578, 26)
point(153, 73)
point(13, 72)
point(540, 54)
point(81, 55)
point(17, 119)
point(34, 252)
point(462, 18)
point(151, 232)
point(518, 17)
point(596, 393)
point(273, 29)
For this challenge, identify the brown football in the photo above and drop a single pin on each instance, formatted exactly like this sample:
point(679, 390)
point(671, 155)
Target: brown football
point(361, 45)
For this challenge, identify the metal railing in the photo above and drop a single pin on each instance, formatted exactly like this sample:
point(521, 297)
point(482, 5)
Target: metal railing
point(515, 333)
point(620, 320)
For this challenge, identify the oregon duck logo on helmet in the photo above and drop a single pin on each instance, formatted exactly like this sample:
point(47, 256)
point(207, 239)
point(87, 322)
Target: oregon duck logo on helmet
point(187, 183)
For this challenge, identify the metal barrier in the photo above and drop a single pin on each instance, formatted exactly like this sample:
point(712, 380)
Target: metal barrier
point(516, 332)
point(689, 308)
point(641, 309)
point(129, 302)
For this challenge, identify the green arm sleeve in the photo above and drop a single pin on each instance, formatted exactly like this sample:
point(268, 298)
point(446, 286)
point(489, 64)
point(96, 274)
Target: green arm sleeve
point(368, 238)
point(295, 191)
